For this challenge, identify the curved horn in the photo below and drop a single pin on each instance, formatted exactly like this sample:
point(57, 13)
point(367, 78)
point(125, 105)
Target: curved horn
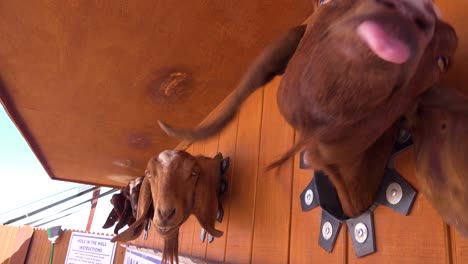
point(271, 62)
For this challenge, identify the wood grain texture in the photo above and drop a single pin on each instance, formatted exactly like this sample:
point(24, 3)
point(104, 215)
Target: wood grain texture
point(107, 70)
point(274, 188)
point(305, 227)
point(14, 243)
point(459, 247)
point(244, 181)
point(227, 146)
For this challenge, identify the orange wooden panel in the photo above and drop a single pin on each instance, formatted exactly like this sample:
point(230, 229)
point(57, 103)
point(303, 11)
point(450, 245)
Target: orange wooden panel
point(39, 249)
point(305, 227)
point(227, 146)
point(419, 237)
point(21, 244)
point(459, 247)
point(61, 247)
point(274, 188)
point(6, 239)
point(120, 62)
point(244, 180)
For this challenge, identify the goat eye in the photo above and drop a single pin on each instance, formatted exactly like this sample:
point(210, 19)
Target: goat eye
point(194, 173)
point(443, 63)
point(322, 2)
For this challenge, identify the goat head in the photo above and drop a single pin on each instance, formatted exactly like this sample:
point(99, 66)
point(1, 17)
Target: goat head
point(176, 185)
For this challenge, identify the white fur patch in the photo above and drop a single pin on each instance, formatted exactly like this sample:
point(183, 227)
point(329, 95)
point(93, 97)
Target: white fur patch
point(166, 157)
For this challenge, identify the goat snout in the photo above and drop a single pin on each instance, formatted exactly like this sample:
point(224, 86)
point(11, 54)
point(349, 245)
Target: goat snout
point(421, 12)
point(166, 214)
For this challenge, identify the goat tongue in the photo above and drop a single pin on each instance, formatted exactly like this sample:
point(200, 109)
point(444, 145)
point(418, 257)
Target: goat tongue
point(382, 44)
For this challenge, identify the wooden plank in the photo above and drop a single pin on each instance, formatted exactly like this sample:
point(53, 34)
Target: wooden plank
point(274, 188)
point(244, 180)
point(227, 146)
point(39, 249)
point(305, 227)
point(419, 237)
point(21, 244)
point(459, 247)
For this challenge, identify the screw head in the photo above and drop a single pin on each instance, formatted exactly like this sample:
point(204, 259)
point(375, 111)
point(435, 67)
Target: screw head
point(309, 197)
point(394, 193)
point(327, 230)
point(360, 233)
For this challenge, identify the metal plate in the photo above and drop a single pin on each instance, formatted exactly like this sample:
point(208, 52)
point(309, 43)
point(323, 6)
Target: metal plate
point(391, 180)
point(309, 197)
point(361, 231)
point(330, 228)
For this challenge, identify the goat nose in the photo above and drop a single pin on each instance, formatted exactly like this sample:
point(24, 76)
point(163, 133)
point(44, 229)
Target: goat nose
point(419, 14)
point(166, 214)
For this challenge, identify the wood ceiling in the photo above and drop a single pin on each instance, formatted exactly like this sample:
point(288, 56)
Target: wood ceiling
point(85, 81)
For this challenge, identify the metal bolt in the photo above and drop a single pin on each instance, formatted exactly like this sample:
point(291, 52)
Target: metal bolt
point(360, 233)
point(327, 230)
point(394, 193)
point(309, 197)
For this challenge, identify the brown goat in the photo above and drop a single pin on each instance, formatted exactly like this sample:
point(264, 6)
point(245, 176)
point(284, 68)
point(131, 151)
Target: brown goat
point(177, 185)
point(440, 130)
point(348, 76)
point(124, 206)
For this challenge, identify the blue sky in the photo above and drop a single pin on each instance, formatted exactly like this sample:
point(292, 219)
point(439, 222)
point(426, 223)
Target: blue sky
point(27, 187)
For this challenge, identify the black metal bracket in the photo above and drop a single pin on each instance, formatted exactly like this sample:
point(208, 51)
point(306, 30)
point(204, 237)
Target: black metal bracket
point(394, 192)
point(224, 166)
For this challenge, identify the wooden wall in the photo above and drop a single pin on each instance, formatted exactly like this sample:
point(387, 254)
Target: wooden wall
point(14, 243)
point(263, 219)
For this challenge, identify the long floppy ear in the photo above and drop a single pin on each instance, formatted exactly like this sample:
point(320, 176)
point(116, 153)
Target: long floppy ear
point(440, 132)
point(271, 62)
point(111, 219)
point(144, 203)
point(206, 193)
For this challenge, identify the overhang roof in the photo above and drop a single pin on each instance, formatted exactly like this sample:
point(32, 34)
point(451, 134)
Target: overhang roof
point(85, 81)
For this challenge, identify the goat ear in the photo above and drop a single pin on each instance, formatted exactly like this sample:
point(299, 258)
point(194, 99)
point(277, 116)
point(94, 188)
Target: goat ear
point(271, 62)
point(206, 194)
point(144, 204)
point(440, 128)
point(111, 219)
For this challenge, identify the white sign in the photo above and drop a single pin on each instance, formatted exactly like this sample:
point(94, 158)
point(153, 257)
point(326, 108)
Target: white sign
point(90, 249)
point(134, 256)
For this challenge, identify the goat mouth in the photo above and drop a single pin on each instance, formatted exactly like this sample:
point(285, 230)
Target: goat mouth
point(384, 41)
point(164, 231)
